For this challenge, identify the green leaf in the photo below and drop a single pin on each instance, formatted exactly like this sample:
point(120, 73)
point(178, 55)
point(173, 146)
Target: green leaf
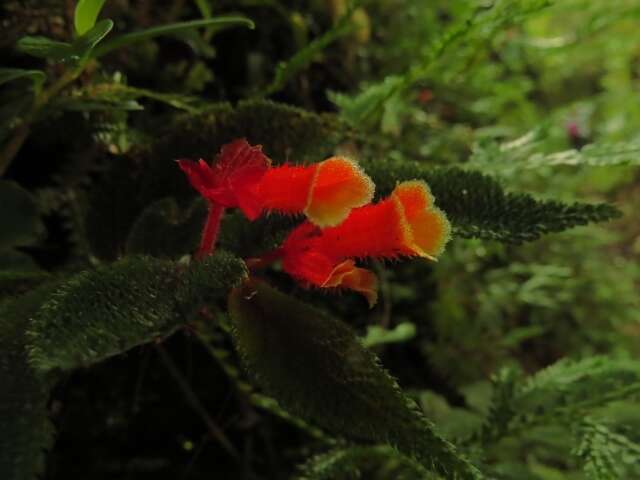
point(285, 71)
point(11, 74)
point(607, 454)
point(377, 462)
point(377, 335)
point(478, 206)
point(46, 48)
point(165, 230)
point(104, 312)
point(360, 107)
point(86, 14)
point(559, 393)
point(511, 157)
point(43, 47)
point(169, 29)
point(84, 45)
point(26, 430)
point(316, 368)
point(19, 216)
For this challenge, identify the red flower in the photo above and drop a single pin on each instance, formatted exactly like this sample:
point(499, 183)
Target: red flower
point(232, 179)
point(404, 224)
point(242, 177)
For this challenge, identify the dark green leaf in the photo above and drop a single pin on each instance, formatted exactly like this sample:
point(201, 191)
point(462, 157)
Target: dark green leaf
point(164, 230)
point(84, 45)
point(26, 430)
point(19, 216)
point(42, 47)
point(478, 206)
point(100, 313)
point(11, 74)
point(169, 29)
point(46, 48)
point(316, 367)
point(86, 13)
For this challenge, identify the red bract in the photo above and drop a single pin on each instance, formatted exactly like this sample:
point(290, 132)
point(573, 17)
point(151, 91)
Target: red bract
point(242, 177)
point(404, 224)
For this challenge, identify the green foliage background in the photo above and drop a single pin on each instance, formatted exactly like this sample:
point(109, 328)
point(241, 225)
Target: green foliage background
point(515, 356)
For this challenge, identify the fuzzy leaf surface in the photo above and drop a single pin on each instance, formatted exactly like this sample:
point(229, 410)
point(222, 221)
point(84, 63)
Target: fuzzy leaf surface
point(315, 366)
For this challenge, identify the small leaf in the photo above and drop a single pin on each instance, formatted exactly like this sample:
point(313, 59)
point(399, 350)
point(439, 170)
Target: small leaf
point(19, 216)
point(377, 335)
point(43, 47)
point(86, 13)
point(11, 74)
point(315, 367)
point(83, 46)
point(169, 29)
point(46, 48)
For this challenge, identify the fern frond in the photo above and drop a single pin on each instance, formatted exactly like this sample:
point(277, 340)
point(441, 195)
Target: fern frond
point(519, 154)
point(606, 454)
point(559, 393)
point(377, 462)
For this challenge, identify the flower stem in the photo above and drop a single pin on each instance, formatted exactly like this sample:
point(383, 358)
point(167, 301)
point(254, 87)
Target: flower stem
point(210, 231)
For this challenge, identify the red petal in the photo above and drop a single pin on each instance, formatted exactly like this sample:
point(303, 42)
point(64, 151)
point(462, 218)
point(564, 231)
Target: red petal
point(199, 174)
point(286, 188)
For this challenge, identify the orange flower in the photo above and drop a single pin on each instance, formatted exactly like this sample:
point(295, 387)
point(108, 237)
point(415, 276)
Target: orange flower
point(404, 224)
point(242, 177)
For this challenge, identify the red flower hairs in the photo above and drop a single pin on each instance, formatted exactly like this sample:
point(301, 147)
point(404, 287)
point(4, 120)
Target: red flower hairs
point(341, 224)
point(242, 176)
point(404, 224)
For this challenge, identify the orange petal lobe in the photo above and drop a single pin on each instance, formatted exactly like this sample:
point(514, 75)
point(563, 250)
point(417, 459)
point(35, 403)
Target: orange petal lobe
point(430, 229)
point(361, 280)
point(339, 185)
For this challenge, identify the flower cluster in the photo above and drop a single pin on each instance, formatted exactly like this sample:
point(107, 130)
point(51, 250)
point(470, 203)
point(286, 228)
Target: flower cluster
point(341, 224)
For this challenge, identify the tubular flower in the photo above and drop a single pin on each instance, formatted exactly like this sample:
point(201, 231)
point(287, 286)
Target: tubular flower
point(404, 224)
point(242, 177)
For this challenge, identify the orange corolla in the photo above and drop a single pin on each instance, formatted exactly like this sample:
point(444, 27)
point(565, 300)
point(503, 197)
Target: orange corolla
point(242, 176)
point(404, 224)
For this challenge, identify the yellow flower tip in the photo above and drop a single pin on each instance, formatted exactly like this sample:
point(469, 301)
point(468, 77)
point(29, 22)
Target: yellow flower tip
point(339, 186)
point(429, 227)
point(361, 280)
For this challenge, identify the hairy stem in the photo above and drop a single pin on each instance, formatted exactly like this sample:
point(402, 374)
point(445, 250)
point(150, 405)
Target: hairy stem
point(210, 231)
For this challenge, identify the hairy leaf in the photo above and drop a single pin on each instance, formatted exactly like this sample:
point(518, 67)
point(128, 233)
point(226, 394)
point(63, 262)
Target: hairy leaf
point(104, 312)
point(26, 431)
point(164, 230)
point(478, 206)
point(315, 367)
